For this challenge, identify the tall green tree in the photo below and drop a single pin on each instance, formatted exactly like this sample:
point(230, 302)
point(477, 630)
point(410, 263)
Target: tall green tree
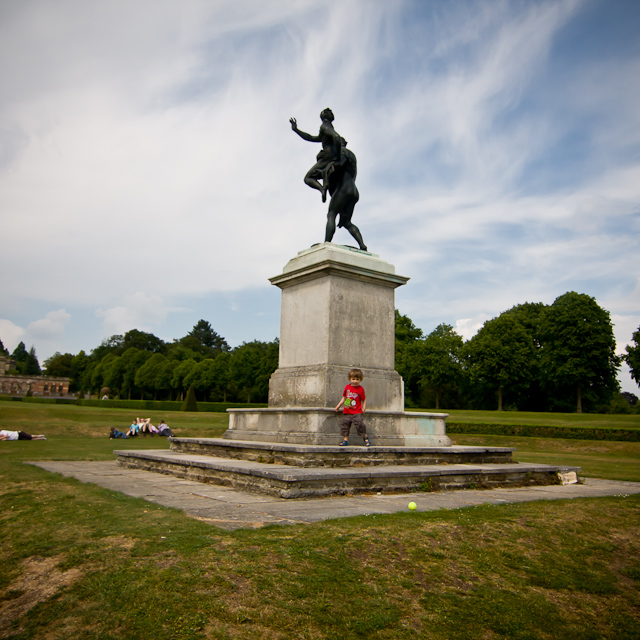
point(251, 366)
point(59, 365)
point(501, 356)
point(163, 379)
point(99, 373)
point(26, 361)
point(132, 360)
point(220, 374)
point(203, 339)
point(406, 337)
point(632, 357)
point(143, 341)
point(3, 350)
point(180, 372)
point(113, 374)
point(435, 361)
point(579, 347)
point(148, 374)
point(79, 365)
point(112, 345)
point(201, 377)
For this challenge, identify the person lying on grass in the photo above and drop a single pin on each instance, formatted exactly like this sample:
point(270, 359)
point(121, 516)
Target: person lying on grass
point(19, 435)
point(114, 433)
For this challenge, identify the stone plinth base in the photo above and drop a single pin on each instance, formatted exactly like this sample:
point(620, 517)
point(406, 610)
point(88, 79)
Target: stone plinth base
point(320, 426)
point(337, 314)
point(322, 385)
point(285, 481)
point(307, 456)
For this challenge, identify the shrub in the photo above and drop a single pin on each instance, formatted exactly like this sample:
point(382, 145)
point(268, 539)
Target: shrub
point(190, 403)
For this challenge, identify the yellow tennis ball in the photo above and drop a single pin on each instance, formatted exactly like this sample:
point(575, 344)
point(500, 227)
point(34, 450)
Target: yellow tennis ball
point(413, 506)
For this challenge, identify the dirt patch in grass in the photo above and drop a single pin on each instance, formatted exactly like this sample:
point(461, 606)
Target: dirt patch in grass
point(40, 580)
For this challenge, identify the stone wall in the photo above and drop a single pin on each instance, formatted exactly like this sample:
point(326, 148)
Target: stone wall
point(39, 385)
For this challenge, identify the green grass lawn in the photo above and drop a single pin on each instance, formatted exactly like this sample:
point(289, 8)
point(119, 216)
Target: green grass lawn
point(598, 459)
point(81, 562)
point(72, 420)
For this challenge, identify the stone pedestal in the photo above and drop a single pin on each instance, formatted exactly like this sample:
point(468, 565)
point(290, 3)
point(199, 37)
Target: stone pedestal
point(338, 312)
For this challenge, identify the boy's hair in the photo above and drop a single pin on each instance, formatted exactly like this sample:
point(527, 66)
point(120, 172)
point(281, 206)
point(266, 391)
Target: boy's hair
point(356, 373)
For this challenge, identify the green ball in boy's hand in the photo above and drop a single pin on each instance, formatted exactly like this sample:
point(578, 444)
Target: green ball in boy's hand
point(413, 506)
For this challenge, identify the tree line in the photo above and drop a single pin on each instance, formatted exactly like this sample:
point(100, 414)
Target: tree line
point(139, 365)
point(533, 357)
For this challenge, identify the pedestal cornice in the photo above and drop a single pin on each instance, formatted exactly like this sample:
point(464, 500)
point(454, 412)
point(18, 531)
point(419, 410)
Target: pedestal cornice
point(328, 259)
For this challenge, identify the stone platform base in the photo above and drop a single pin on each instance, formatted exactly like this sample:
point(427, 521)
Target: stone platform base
point(320, 426)
point(305, 471)
point(308, 456)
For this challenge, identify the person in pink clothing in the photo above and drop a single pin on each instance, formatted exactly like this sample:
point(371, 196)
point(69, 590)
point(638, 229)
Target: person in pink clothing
point(354, 401)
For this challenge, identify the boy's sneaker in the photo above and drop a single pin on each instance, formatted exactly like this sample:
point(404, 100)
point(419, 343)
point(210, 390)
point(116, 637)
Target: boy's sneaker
point(344, 443)
point(367, 442)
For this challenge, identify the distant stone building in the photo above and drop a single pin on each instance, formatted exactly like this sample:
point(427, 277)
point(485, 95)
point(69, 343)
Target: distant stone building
point(39, 385)
point(6, 363)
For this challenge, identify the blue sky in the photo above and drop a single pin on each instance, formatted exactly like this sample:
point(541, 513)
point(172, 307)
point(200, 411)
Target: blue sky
point(149, 176)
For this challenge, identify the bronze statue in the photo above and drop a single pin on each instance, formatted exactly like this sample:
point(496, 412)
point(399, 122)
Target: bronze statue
point(336, 166)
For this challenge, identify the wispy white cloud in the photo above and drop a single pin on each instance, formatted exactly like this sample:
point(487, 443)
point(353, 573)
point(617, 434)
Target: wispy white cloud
point(11, 334)
point(138, 311)
point(49, 328)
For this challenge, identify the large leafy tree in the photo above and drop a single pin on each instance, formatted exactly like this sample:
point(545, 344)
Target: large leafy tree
point(201, 377)
point(204, 340)
point(632, 357)
point(148, 375)
point(163, 379)
point(59, 365)
point(220, 374)
point(579, 347)
point(180, 373)
point(204, 333)
point(406, 337)
point(531, 316)
point(143, 341)
point(100, 373)
point(132, 360)
point(26, 361)
point(114, 374)
point(435, 361)
point(251, 366)
point(501, 356)
point(3, 350)
point(112, 345)
point(79, 365)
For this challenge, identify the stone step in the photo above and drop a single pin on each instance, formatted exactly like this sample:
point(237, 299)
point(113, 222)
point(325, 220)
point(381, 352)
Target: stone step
point(301, 455)
point(286, 481)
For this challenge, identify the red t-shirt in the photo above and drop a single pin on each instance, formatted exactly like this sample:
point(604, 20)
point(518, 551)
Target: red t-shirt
point(354, 397)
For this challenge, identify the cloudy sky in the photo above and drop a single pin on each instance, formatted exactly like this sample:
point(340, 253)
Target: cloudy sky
point(149, 176)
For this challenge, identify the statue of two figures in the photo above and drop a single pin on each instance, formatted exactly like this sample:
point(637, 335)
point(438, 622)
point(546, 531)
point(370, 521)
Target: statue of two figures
point(334, 171)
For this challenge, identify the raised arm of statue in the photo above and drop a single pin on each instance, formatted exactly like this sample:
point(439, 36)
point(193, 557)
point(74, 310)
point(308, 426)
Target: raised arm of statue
point(305, 136)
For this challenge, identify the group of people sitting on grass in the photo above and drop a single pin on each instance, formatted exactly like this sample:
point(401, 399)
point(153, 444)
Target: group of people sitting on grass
point(142, 426)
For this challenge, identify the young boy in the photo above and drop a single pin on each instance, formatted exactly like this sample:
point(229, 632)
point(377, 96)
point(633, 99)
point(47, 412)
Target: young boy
point(355, 404)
